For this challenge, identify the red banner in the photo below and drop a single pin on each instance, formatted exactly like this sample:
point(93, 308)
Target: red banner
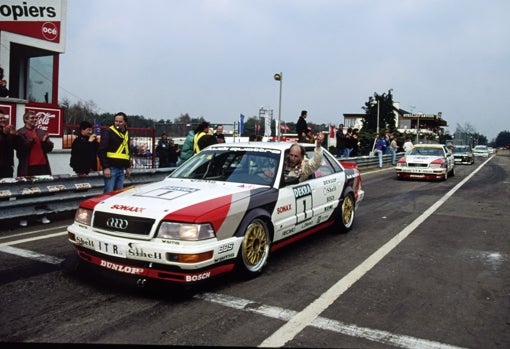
point(48, 119)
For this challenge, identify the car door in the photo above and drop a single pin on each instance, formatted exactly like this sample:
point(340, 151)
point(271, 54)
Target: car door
point(450, 160)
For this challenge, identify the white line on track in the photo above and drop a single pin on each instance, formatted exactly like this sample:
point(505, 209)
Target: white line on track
point(351, 330)
point(31, 254)
point(35, 238)
point(304, 318)
point(30, 232)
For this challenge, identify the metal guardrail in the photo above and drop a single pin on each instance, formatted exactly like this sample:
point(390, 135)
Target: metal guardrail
point(26, 197)
point(38, 195)
point(371, 161)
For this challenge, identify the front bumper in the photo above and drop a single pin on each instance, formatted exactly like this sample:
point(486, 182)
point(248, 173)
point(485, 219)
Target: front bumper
point(420, 173)
point(156, 258)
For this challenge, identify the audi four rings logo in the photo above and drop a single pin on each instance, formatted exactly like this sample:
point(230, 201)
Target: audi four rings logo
point(117, 223)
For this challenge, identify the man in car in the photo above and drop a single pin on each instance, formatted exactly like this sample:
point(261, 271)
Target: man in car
point(297, 165)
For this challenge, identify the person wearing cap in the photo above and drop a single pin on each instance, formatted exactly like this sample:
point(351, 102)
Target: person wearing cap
point(7, 138)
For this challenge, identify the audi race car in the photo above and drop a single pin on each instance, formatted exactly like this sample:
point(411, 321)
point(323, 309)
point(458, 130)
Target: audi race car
point(463, 154)
point(224, 210)
point(426, 161)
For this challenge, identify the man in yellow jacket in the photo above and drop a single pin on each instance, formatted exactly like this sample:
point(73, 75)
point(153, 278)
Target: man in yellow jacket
point(114, 154)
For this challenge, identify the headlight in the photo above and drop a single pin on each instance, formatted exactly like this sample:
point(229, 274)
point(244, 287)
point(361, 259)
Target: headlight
point(438, 163)
point(185, 231)
point(83, 216)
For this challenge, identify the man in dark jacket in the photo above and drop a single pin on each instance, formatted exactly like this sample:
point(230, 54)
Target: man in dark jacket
point(302, 128)
point(114, 153)
point(84, 150)
point(341, 141)
point(162, 150)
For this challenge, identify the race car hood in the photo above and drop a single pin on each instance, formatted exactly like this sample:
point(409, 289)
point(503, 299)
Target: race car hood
point(183, 199)
point(420, 159)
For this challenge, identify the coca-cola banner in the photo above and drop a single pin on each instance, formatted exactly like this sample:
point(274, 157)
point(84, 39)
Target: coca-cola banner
point(48, 119)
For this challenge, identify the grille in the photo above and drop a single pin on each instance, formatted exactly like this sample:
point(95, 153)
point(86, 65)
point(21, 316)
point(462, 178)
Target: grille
point(117, 223)
point(417, 165)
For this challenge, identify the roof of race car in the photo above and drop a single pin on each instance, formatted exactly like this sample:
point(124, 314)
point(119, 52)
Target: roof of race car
point(258, 145)
point(429, 145)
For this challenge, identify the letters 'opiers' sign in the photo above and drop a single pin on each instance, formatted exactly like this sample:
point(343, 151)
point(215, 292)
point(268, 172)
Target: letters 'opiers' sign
point(48, 119)
point(39, 19)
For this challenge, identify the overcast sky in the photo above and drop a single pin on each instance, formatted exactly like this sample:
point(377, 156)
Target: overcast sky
point(217, 58)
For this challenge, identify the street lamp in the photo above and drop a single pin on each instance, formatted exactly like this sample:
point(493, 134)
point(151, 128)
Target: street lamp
point(418, 129)
point(377, 127)
point(279, 77)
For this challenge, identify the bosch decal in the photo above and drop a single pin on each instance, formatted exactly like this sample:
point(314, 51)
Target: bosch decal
point(198, 277)
point(288, 231)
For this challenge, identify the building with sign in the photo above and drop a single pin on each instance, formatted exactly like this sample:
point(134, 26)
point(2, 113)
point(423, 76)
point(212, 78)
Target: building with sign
point(410, 123)
point(32, 37)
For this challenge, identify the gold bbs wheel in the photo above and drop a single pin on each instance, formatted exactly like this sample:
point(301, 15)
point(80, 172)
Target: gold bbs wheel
point(255, 248)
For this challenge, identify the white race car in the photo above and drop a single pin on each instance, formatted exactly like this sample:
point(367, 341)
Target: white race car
point(225, 209)
point(426, 161)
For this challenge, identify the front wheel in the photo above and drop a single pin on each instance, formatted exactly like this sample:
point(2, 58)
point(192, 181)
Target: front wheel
point(345, 215)
point(254, 250)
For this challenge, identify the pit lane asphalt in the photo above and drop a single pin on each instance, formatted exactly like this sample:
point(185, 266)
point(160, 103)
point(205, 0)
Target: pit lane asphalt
point(444, 285)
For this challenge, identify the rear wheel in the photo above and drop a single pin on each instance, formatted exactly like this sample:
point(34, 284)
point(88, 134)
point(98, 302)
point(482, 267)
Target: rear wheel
point(254, 251)
point(345, 216)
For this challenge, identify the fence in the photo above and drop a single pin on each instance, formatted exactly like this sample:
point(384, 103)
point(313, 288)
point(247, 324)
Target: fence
point(37, 195)
point(142, 143)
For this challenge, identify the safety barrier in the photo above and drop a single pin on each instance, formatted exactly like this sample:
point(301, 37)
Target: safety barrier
point(371, 161)
point(38, 195)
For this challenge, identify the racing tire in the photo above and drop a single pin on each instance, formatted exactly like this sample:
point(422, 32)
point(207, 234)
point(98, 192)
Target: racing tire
point(345, 214)
point(445, 177)
point(255, 248)
point(452, 172)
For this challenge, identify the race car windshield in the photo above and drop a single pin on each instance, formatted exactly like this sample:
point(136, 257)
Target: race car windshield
point(243, 166)
point(459, 149)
